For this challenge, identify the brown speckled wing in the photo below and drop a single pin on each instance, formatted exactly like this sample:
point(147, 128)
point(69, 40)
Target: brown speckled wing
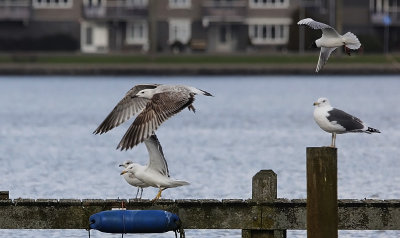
point(125, 109)
point(159, 109)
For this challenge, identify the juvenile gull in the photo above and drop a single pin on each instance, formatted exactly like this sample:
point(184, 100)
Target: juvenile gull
point(155, 173)
point(156, 158)
point(336, 121)
point(156, 102)
point(330, 40)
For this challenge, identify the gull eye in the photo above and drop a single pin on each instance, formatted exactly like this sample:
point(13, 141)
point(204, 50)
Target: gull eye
point(323, 100)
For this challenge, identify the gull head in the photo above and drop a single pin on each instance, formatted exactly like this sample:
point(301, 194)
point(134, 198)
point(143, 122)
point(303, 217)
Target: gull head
point(145, 93)
point(321, 102)
point(132, 168)
point(126, 164)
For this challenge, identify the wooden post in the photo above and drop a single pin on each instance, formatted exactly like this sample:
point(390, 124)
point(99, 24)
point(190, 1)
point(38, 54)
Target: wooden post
point(322, 205)
point(264, 188)
point(4, 195)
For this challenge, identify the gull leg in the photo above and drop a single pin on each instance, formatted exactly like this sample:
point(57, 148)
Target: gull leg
point(333, 140)
point(137, 192)
point(158, 195)
point(191, 108)
point(141, 193)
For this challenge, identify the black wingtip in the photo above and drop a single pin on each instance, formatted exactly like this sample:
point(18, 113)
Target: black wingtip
point(373, 130)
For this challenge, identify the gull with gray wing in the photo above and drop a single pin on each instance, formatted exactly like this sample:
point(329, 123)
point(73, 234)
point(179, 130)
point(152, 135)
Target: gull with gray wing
point(336, 121)
point(330, 40)
point(155, 173)
point(156, 159)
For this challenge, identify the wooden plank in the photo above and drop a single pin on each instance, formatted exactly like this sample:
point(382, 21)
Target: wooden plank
point(284, 214)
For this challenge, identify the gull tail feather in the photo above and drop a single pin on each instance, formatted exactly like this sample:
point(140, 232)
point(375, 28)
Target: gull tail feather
point(199, 91)
point(351, 41)
point(178, 183)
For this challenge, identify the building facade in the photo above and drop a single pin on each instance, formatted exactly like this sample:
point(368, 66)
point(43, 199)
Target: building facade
point(185, 25)
point(27, 25)
point(157, 26)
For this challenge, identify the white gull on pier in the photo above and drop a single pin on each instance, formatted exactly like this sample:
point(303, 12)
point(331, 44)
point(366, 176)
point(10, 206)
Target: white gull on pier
point(132, 180)
point(155, 173)
point(156, 161)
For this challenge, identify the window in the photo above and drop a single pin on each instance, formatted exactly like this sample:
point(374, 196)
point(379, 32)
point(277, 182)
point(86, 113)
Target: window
point(89, 36)
point(52, 3)
point(179, 30)
point(137, 3)
point(180, 3)
point(384, 6)
point(93, 3)
point(223, 34)
point(94, 37)
point(269, 34)
point(273, 31)
point(137, 32)
point(269, 3)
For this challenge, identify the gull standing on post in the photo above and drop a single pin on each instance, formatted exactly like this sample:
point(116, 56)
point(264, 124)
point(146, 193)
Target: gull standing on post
point(156, 102)
point(155, 173)
point(156, 160)
point(336, 121)
point(330, 40)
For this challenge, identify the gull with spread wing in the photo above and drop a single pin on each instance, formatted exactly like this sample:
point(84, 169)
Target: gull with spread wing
point(155, 173)
point(156, 158)
point(330, 40)
point(156, 103)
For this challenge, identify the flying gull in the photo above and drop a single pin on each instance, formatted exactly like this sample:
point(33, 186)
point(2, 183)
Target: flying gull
point(155, 173)
point(156, 102)
point(156, 158)
point(336, 121)
point(330, 40)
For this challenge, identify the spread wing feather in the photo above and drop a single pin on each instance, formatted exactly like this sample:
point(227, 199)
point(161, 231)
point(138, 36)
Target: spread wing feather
point(159, 109)
point(323, 57)
point(125, 109)
point(157, 160)
point(326, 29)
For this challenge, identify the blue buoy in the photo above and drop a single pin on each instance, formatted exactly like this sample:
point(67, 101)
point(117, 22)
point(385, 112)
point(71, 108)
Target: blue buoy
point(134, 221)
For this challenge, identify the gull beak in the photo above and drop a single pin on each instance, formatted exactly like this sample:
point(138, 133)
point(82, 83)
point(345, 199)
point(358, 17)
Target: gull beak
point(316, 103)
point(124, 172)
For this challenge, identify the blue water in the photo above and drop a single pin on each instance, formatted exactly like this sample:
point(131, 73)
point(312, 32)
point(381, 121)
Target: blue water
point(47, 149)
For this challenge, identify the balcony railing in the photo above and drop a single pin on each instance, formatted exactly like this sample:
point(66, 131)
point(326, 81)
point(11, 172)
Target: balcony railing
point(224, 10)
point(17, 10)
point(116, 9)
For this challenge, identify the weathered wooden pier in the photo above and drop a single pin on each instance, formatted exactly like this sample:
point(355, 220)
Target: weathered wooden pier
point(262, 216)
